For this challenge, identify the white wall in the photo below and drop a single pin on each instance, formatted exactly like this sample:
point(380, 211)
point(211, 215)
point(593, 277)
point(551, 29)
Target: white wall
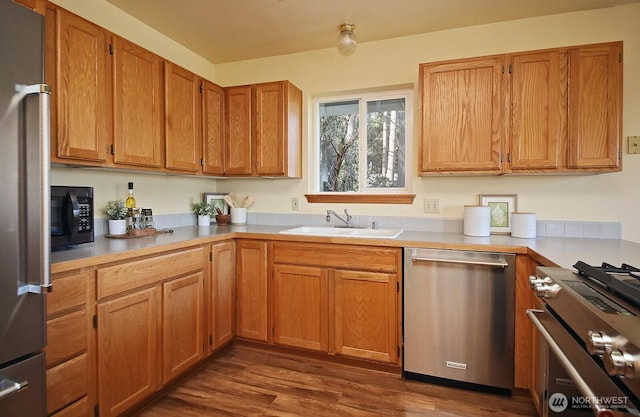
point(610, 197)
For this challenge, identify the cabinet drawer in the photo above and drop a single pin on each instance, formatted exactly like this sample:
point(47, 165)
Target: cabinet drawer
point(78, 409)
point(365, 258)
point(124, 277)
point(68, 292)
point(66, 337)
point(67, 382)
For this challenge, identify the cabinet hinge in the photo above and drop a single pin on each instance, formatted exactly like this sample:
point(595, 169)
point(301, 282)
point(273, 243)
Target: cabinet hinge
point(95, 321)
point(397, 287)
point(111, 48)
point(113, 149)
point(96, 411)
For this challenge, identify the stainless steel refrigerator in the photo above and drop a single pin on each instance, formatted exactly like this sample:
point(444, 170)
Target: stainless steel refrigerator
point(24, 211)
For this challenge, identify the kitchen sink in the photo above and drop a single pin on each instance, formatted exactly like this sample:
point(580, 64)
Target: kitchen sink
point(343, 232)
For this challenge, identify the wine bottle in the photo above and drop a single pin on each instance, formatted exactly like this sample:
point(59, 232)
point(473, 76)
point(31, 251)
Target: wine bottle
point(131, 200)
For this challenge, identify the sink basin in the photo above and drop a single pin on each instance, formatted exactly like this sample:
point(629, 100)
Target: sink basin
point(344, 232)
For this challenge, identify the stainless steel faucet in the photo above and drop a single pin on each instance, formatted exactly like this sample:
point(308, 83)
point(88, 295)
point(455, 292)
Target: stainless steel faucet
point(346, 220)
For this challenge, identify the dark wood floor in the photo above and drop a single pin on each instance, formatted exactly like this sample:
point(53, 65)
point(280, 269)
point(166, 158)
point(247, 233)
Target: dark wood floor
point(251, 381)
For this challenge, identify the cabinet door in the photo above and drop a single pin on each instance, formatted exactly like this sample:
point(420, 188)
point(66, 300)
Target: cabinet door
point(81, 95)
point(183, 119)
point(223, 294)
point(182, 328)
point(366, 321)
point(213, 128)
point(538, 113)
point(251, 270)
point(300, 307)
point(238, 131)
point(137, 105)
point(461, 114)
point(595, 106)
point(128, 343)
point(270, 136)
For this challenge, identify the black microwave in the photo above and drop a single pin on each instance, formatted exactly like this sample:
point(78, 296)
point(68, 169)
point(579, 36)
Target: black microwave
point(71, 216)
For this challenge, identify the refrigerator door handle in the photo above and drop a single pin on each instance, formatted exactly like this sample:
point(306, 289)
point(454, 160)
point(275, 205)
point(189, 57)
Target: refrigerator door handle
point(8, 387)
point(44, 93)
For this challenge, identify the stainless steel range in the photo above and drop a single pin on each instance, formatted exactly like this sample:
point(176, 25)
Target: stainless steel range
point(591, 326)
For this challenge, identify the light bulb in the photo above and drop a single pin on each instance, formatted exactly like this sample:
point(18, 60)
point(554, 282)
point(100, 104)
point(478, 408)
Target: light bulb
point(347, 40)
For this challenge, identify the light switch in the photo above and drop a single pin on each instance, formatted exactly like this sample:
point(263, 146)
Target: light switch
point(634, 144)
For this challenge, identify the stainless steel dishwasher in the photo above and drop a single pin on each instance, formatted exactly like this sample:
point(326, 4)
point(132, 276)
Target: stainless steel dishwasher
point(458, 318)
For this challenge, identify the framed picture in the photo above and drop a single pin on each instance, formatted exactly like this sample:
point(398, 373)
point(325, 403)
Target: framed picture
point(217, 200)
point(500, 208)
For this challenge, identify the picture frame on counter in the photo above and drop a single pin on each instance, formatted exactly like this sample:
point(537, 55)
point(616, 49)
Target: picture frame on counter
point(501, 206)
point(217, 201)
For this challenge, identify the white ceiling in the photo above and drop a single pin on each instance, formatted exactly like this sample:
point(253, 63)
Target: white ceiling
point(233, 30)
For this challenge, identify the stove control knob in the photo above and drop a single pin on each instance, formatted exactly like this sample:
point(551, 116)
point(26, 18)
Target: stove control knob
point(547, 290)
point(620, 363)
point(599, 342)
point(534, 281)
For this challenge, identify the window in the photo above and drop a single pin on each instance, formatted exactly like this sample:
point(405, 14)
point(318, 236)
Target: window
point(362, 142)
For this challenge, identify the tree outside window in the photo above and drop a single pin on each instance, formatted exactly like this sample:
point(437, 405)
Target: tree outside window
point(362, 143)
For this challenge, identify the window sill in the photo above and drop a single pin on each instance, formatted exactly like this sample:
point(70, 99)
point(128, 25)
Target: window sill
point(361, 198)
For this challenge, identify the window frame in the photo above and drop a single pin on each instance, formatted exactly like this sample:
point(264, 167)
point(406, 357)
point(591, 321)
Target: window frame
point(365, 195)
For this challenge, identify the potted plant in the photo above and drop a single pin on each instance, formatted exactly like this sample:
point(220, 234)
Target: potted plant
point(204, 212)
point(116, 212)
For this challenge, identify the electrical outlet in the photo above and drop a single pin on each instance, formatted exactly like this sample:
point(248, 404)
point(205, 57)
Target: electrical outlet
point(431, 205)
point(294, 204)
point(634, 144)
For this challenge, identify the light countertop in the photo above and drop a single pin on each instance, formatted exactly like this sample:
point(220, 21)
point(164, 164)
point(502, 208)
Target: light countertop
point(552, 251)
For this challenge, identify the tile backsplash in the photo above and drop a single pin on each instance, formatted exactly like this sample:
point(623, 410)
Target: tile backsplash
point(544, 228)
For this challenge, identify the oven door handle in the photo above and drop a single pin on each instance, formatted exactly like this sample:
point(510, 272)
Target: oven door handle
point(599, 409)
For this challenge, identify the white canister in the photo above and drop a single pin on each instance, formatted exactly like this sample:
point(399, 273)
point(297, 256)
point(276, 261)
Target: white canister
point(477, 221)
point(523, 225)
point(239, 215)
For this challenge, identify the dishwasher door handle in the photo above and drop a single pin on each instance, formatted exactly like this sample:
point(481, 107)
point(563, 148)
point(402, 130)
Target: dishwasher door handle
point(501, 262)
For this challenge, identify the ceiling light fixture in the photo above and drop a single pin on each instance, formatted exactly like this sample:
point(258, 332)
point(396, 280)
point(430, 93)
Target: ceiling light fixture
point(347, 40)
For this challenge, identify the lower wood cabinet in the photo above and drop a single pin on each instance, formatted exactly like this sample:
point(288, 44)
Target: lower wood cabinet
point(128, 342)
point(70, 352)
point(345, 302)
point(366, 315)
point(149, 325)
point(222, 304)
point(251, 284)
point(300, 307)
point(182, 324)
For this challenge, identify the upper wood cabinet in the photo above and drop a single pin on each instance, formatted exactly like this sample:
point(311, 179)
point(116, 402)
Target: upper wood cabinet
point(461, 110)
point(107, 104)
point(183, 119)
point(212, 128)
point(76, 70)
point(137, 105)
point(595, 106)
point(537, 112)
point(264, 130)
point(549, 111)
